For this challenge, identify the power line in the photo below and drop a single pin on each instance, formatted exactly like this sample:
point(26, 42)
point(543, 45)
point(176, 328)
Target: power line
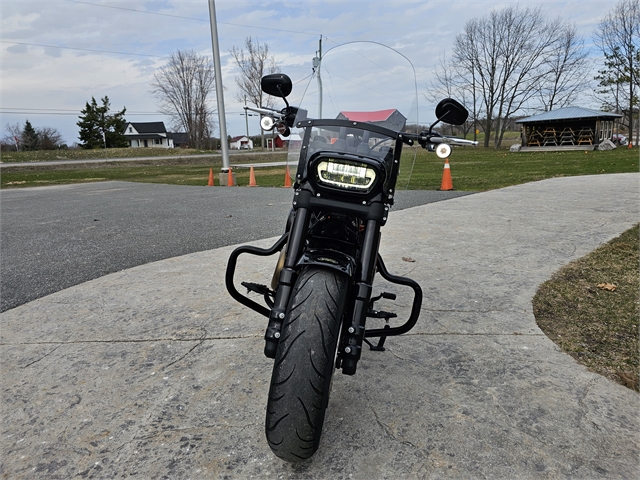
point(138, 11)
point(65, 110)
point(81, 49)
point(189, 18)
point(55, 111)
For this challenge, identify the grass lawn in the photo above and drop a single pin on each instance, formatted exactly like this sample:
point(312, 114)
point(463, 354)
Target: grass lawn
point(472, 169)
point(590, 308)
point(81, 154)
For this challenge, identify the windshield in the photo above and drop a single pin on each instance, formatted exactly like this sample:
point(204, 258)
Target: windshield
point(364, 82)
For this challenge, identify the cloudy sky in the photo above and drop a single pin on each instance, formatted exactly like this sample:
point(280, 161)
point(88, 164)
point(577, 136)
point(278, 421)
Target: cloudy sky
point(57, 54)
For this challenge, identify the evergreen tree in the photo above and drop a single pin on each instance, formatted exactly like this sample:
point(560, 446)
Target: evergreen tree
point(90, 134)
point(98, 126)
point(114, 127)
point(29, 137)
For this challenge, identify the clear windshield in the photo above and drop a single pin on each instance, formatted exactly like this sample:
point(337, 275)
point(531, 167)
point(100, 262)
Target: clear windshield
point(362, 82)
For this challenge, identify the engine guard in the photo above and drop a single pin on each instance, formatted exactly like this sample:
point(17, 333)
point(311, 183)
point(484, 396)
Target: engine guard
point(415, 309)
point(342, 265)
point(231, 269)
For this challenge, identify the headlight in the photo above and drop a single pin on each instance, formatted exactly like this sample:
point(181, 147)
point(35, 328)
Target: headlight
point(344, 174)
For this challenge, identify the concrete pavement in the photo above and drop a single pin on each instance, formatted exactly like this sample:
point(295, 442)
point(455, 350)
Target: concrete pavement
point(155, 372)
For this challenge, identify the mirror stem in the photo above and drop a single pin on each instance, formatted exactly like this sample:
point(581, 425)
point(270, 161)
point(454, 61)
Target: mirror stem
point(283, 96)
point(433, 125)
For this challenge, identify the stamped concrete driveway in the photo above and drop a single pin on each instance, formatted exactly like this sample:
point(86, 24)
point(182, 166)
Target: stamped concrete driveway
point(154, 372)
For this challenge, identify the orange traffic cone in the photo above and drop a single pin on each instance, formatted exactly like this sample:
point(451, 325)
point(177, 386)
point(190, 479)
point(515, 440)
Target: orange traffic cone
point(252, 178)
point(630, 144)
point(229, 178)
point(210, 184)
point(447, 184)
point(287, 178)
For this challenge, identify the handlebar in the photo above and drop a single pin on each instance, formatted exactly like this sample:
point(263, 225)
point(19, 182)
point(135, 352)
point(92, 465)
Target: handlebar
point(263, 111)
point(425, 139)
point(284, 118)
point(450, 140)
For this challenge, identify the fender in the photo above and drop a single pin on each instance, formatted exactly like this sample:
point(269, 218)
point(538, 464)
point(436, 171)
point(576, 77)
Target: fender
point(329, 259)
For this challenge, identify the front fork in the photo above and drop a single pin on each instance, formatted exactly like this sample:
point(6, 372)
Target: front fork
point(351, 345)
point(286, 280)
point(353, 334)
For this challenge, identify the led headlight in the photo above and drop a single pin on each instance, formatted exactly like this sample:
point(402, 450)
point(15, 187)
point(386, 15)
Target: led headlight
point(344, 174)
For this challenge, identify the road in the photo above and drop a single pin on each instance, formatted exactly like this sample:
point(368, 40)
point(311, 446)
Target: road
point(56, 237)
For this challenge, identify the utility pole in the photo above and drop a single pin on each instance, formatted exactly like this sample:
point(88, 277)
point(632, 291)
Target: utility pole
point(224, 145)
point(316, 67)
point(246, 115)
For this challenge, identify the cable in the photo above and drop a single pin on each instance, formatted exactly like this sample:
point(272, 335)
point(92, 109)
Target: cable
point(58, 111)
point(66, 110)
point(138, 11)
point(81, 49)
point(190, 18)
point(299, 81)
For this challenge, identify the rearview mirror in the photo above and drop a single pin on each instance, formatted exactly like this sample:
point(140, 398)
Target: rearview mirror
point(276, 85)
point(452, 112)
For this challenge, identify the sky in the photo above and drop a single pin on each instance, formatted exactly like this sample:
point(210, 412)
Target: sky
point(58, 54)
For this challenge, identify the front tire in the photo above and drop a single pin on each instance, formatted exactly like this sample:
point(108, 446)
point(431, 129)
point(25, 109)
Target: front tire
point(304, 364)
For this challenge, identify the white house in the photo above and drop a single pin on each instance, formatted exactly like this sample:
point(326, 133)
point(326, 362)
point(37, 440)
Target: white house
point(148, 134)
point(241, 143)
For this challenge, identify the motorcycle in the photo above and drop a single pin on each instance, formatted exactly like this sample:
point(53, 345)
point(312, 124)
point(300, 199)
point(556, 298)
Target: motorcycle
point(321, 293)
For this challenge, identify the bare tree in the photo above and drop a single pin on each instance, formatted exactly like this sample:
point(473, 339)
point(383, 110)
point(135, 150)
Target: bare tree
point(449, 82)
point(183, 86)
point(566, 68)
point(255, 63)
point(14, 133)
point(50, 138)
point(504, 53)
point(619, 40)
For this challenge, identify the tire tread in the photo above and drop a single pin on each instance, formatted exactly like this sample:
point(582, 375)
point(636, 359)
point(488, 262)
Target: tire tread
point(303, 366)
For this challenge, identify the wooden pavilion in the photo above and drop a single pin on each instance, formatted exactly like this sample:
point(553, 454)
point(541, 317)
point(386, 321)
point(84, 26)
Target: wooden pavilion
point(570, 128)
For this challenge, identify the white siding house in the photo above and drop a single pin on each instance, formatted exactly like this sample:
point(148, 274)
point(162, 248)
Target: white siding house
point(241, 143)
point(148, 134)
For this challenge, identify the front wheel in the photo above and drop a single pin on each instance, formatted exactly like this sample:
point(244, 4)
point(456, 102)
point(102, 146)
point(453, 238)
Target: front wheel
point(304, 364)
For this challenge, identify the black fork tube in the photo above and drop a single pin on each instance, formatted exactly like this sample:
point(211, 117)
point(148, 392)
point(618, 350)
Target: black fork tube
point(352, 344)
point(297, 236)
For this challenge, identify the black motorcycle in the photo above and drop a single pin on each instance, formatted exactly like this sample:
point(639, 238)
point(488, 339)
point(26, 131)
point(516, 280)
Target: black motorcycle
point(321, 293)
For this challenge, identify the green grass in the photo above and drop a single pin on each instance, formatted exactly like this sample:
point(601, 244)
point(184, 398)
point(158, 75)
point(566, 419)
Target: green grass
point(183, 171)
point(479, 169)
point(472, 169)
point(81, 154)
point(597, 327)
point(96, 154)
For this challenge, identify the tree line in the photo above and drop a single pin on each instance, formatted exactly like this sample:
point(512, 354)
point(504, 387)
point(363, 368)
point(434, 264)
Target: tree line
point(515, 61)
point(26, 137)
point(508, 63)
point(511, 62)
point(184, 84)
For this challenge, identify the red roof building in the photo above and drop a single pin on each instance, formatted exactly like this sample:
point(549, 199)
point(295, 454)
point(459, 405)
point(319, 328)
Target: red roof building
point(390, 118)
